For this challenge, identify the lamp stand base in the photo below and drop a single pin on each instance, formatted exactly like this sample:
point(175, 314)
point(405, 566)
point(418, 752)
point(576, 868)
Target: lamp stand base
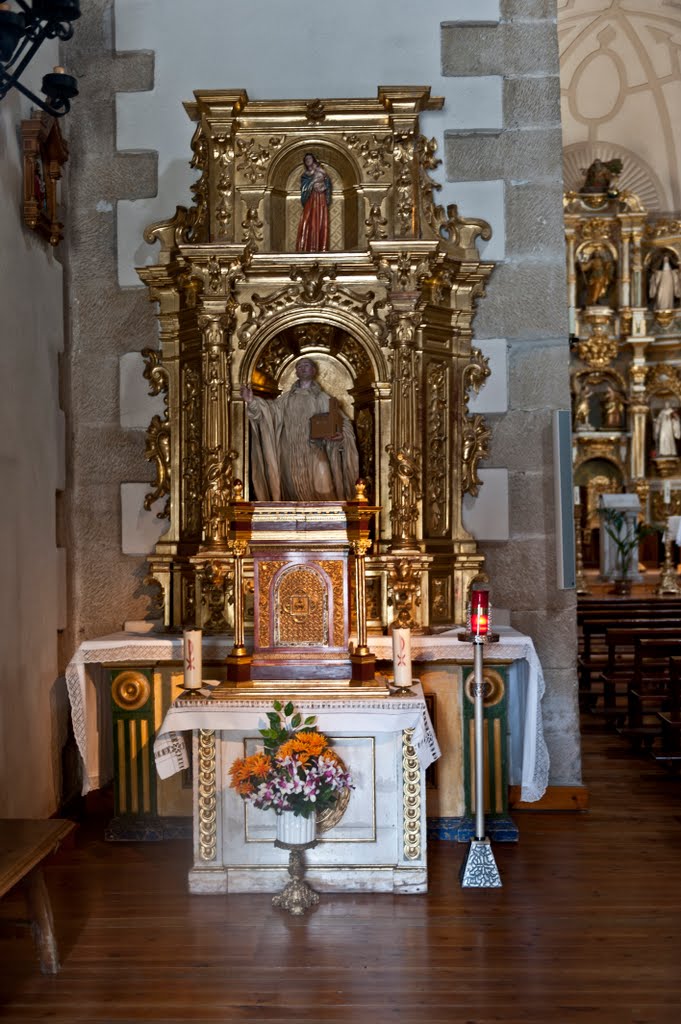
point(479, 869)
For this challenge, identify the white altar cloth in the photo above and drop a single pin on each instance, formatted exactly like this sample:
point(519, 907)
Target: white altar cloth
point(87, 684)
point(387, 714)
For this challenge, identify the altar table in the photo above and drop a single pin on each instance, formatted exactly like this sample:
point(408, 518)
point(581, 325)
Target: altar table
point(88, 686)
point(379, 843)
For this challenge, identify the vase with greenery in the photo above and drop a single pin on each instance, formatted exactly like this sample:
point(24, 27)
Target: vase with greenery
point(626, 534)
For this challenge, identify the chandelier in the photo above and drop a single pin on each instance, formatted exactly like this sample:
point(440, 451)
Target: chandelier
point(21, 34)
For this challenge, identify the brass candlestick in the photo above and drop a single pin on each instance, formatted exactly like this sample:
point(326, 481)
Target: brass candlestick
point(669, 579)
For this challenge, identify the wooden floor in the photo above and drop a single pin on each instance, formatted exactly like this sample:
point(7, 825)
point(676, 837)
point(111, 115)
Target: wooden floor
point(587, 927)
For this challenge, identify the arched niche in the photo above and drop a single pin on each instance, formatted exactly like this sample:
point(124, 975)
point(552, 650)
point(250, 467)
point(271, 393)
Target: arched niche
point(283, 185)
point(349, 368)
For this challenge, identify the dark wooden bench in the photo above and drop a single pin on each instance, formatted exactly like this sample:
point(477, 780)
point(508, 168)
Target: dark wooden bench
point(593, 656)
point(670, 719)
point(617, 676)
point(24, 845)
point(649, 690)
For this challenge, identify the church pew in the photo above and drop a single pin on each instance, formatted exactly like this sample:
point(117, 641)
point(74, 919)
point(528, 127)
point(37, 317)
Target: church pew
point(617, 674)
point(649, 690)
point(593, 656)
point(670, 719)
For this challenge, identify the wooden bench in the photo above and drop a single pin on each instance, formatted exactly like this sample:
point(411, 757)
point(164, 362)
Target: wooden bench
point(649, 689)
point(619, 670)
point(24, 845)
point(593, 656)
point(670, 719)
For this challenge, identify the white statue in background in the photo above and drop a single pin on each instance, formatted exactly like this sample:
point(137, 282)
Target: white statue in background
point(667, 428)
point(286, 463)
point(665, 285)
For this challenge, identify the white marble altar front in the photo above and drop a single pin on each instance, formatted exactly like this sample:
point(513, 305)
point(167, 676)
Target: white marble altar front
point(379, 845)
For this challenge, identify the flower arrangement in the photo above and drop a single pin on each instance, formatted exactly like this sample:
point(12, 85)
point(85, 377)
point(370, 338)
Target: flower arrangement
point(297, 771)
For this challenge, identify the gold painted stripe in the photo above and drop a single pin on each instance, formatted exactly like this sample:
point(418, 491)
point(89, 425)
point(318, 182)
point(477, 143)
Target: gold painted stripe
point(122, 773)
point(134, 768)
point(145, 752)
point(498, 766)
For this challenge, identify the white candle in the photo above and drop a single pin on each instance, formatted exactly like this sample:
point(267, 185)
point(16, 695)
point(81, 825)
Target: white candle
point(402, 657)
point(571, 321)
point(193, 665)
point(577, 497)
point(667, 492)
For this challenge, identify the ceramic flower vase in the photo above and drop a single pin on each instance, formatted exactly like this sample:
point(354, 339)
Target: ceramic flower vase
point(294, 830)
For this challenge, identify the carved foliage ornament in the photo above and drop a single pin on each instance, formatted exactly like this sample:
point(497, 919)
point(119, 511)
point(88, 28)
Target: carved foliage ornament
point(437, 494)
point(475, 434)
point(313, 286)
point(253, 158)
point(158, 433)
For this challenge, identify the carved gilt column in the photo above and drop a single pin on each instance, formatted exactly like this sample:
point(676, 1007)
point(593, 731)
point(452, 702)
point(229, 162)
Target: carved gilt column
point(405, 467)
point(218, 456)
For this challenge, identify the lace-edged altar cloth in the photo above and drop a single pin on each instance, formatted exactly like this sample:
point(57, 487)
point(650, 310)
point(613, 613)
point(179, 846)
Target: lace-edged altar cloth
point(88, 687)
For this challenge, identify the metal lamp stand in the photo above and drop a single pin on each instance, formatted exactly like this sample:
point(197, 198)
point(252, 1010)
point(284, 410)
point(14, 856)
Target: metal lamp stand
point(479, 869)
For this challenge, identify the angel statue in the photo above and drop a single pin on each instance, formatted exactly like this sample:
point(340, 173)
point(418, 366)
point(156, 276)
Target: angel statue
point(599, 175)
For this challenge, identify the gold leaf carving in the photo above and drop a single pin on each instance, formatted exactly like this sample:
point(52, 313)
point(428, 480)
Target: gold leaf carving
point(254, 158)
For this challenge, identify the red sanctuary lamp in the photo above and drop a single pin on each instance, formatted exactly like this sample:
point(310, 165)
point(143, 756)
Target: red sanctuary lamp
point(479, 869)
point(479, 613)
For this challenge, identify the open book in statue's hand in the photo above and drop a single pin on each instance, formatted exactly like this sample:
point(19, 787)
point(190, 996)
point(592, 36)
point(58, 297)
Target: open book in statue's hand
point(327, 426)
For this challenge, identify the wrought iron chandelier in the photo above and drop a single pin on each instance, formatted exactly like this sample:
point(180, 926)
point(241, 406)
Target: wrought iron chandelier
point(21, 34)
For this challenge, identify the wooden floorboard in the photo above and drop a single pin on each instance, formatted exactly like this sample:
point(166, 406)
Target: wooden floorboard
point(587, 927)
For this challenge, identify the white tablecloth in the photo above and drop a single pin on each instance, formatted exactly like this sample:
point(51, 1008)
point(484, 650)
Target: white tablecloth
point(87, 684)
point(333, 715)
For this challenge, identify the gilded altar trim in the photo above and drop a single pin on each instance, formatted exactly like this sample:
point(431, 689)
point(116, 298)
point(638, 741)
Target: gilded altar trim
point(207, 795)
point(411, 797)
point(266, 573)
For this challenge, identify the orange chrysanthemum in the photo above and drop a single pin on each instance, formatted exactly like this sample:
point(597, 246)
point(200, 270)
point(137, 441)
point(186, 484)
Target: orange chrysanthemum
point(260, 765)
point(313, 743)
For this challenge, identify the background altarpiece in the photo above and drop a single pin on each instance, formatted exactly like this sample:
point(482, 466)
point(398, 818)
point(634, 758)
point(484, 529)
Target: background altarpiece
point(626, 347)
point(386, 314)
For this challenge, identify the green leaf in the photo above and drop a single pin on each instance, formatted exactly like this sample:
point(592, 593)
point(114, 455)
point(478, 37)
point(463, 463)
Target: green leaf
point(288, 710)
point(277, 705)
point(295, 721)
point(310, 720)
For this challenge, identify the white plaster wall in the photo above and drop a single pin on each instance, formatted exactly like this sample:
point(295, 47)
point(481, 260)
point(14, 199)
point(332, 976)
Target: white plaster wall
point(32, 571)
point(356, 47)
point(621, 86)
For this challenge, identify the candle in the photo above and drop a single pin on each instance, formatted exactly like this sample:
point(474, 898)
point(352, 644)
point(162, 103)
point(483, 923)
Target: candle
point(667, 492)
point(571, 321)
point(193, 666)
point(402, 657)
point(577, 496)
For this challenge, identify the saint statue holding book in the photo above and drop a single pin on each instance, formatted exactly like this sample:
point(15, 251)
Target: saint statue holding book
point(303, 446)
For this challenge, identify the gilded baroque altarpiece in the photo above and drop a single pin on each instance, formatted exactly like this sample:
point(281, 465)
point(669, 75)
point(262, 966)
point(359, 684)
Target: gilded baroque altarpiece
point(624, 288)
point(385, 312)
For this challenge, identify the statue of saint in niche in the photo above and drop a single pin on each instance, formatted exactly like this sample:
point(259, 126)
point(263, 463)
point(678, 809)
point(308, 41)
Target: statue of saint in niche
point(315, 195)
point(667, 429)
point(598, 273)
point(612, 409)
point(288, 463)
point(664, 285)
